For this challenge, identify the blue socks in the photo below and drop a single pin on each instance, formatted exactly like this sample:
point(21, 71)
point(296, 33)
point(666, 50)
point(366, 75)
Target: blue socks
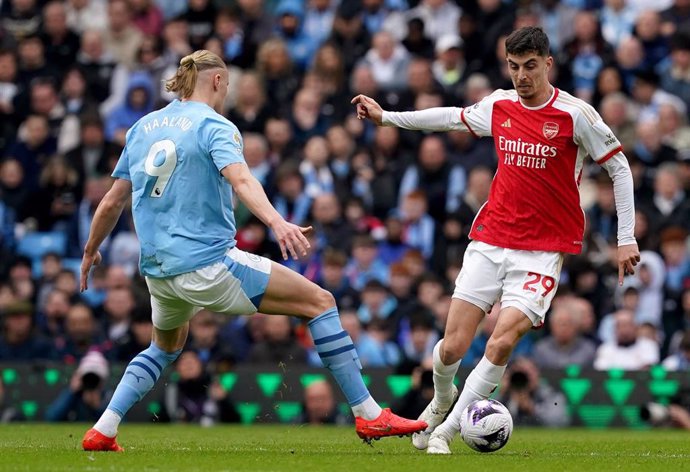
point(338, 354)
point(139, 377)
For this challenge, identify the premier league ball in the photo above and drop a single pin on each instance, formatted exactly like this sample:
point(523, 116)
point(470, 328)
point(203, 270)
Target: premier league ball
point(486, 425)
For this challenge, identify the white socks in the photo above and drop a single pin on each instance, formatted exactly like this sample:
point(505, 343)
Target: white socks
point(443, 377)
point(368, 409)
point(107, 424)
point(479, 384)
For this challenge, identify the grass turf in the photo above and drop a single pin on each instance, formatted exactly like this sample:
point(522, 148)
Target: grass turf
point(169, 448)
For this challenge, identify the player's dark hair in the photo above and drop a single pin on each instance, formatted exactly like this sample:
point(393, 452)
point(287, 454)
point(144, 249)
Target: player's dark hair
point(526, 40)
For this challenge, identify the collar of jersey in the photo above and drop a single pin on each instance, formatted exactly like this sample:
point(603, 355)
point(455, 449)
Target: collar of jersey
point(554, 93)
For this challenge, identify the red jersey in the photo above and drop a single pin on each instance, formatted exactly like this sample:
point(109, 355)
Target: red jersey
point(534, 202)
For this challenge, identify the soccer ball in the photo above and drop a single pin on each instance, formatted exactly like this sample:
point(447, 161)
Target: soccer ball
point(486, 425)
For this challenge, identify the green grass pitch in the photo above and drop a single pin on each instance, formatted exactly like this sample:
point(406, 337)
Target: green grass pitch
point(169, 448)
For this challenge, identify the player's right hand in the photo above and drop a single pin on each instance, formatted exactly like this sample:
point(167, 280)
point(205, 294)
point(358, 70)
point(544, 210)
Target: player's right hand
point(368, 108)
point(291, 239)
point(88, 261)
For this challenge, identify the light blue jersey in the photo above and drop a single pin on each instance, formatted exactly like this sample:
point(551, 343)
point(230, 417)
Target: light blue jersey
point(181, 203)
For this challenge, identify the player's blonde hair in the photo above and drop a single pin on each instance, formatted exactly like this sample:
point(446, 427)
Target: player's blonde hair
point(184, 81)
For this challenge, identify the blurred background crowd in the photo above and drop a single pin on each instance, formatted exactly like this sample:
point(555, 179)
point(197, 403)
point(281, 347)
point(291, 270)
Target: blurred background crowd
point(391, 209)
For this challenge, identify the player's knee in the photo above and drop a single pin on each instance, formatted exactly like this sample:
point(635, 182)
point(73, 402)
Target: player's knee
point(500, 347)
point(323, 300)
point(452, 349)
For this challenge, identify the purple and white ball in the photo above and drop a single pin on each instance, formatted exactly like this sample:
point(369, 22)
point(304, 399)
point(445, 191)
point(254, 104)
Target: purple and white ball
point(486, 425)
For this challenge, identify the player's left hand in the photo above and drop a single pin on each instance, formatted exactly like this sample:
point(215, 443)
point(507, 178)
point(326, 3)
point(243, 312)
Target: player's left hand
point(291, 239)
point(628, 257)
point(88, 261)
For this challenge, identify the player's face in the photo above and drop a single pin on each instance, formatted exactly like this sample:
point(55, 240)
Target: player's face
point(529, 73)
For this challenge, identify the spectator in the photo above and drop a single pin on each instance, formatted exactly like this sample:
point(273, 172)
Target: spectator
point(60, 42)
point(320, 406)
point(365, 264)
point(290, 28)
point(388, 61)
point(56, 199)
point(617, 21)
point(442, 182)
point(373, 349)
point(306, 116)
point(333, 279)
point(648, 30)
point(668, 207)
point(83, 15)
point(187, 400)
point(377, 303)
point(146, 17)
point(9, 89)
point(97, 63)
point(121, 36)
point(332, 230)
point(530, 401)
point(138, 101)
point(318, 20)
point(564, 346)
point(674, 244)
point(680, 361)
point(290, 200)
point(675, 73)
point(19, 341)
point(33, 149)
point(416, 41)
point(86, 397)
point(117, 312)
point(317, 175)
point(251, 112)
point(91, 158)
point(204, 330)
point(81, 334)
point(137, 339)
point(628, 351)
point(450, 68)
point(21, 18)
point(278, 344)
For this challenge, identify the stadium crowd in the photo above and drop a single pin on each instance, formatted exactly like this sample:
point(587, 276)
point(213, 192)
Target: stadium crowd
point(391, 209)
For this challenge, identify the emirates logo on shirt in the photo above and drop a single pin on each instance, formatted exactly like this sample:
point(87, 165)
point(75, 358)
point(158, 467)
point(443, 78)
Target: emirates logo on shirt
point(550, 130)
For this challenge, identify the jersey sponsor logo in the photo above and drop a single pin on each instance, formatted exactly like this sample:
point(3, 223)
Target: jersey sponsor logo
point(611, 139)
point(523, 147)
point(550, 129)
point(519, 153)
point(506, 124)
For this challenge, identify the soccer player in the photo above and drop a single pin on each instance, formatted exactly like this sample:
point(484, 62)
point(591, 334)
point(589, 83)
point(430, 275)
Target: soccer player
point(533, 216)
point(180, 166)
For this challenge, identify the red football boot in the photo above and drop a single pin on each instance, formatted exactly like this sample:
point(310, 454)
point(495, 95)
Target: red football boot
point(96, 441)
point(387, 424)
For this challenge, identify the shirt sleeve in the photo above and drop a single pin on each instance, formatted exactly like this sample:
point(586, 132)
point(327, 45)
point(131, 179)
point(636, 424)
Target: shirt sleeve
point(224, 140)
point(475, 119)
point(595, 136)
point(624, 196)
point(121, 170)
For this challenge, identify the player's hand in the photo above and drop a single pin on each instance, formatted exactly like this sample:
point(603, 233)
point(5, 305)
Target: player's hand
point(368, 108)
point(291, 239)
point(88, 261)
point(628, 257)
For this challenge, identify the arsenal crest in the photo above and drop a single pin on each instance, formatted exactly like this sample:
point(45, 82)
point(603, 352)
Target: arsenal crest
point(550, 130)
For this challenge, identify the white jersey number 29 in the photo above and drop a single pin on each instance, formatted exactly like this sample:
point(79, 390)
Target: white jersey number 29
point(163, 171)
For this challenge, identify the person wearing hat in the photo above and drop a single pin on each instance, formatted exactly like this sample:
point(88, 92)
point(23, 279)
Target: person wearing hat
point(449, 68)
point(19, 341)
point(85, 398)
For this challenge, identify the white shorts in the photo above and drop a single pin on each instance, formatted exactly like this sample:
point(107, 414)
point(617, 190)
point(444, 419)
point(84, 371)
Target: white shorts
point(526, 280)
point(233, 286)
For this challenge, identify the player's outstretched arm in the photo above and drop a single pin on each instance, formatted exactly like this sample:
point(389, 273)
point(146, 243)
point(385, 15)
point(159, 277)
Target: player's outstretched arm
point(104, 220)
point(249, 190)
point(431, 119)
